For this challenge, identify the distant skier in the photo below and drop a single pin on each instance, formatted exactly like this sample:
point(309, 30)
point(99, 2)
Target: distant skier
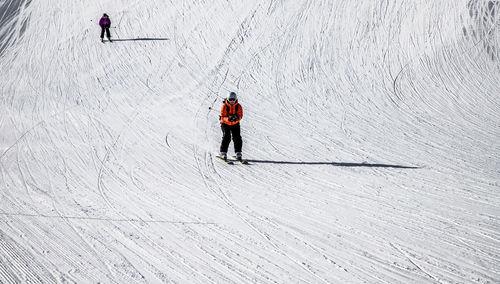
point(105, 23)
point(230, 116)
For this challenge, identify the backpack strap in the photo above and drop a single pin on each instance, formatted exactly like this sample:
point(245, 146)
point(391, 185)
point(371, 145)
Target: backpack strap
point(235, 108)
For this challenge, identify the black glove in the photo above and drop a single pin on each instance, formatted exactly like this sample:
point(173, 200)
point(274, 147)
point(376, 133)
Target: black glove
point(233, 118)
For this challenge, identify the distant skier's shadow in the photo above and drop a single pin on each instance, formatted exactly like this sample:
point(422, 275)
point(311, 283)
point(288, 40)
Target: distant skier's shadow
point(141, 39)
point(336, 164)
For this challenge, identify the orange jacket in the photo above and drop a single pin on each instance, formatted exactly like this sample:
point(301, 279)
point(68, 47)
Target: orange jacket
point(229, 110)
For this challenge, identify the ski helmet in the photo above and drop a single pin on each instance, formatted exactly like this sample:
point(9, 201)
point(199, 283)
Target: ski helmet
point(232, 98)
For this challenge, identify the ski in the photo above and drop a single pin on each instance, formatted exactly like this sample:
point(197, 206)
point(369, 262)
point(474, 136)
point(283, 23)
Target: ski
point(241, 161)
point(224, 160)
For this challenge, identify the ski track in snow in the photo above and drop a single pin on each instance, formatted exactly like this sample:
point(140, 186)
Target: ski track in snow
point(372, 129)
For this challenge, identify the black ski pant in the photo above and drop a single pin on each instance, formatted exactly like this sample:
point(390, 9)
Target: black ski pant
point(105, 29)
point(227, 132)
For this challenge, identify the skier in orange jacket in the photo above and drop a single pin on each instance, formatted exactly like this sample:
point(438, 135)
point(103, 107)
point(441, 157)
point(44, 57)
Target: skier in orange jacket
point(230, 116)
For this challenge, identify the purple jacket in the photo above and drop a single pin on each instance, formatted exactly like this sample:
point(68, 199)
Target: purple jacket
point(104, 22)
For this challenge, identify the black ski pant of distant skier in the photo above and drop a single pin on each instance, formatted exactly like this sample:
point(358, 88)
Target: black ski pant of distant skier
point(227, 132)
point(105, 29)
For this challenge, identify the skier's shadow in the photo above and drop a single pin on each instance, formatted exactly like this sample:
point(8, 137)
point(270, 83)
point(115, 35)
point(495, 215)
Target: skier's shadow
point(336, 164)
point(142, 39)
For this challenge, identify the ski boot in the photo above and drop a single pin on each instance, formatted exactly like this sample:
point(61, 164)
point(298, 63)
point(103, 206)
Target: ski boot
point(239, 157)
point(223, 155)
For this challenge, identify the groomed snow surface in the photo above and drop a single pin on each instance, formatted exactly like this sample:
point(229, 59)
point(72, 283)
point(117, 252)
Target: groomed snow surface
point(372, 129)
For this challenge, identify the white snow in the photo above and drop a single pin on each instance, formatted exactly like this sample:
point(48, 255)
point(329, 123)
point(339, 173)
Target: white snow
point(372, 129)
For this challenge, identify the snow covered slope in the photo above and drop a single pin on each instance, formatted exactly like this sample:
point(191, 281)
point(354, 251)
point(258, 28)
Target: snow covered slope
point(372, 128)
